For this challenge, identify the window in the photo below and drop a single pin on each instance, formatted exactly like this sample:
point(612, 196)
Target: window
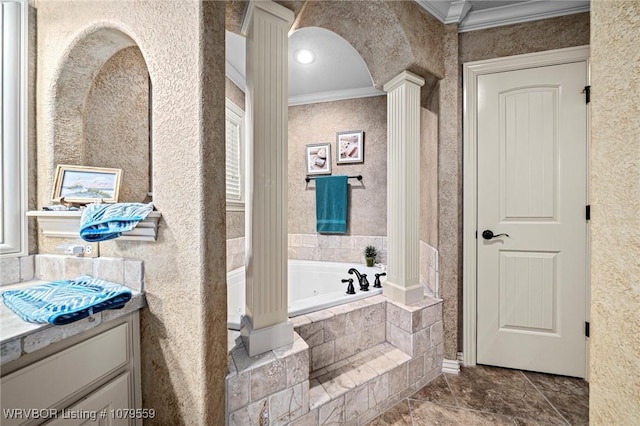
point(13, 128)
point(235, 156)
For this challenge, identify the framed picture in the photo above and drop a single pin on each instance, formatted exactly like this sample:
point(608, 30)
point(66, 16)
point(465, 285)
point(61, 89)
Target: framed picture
point(80, 184)
point(350, 147)
point(318, 157)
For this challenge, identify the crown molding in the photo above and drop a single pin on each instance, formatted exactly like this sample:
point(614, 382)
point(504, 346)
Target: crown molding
point(439, 9)
point(520, 12)
point(334, 95)
point(461, 12)
point(234, 75)
point(458, 11)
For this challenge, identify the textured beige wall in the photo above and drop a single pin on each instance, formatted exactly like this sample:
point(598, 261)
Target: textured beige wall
point(235, 220)
point(529, 37)
point(450, 195)
point(614, 391)
point(314, 123)
point(33, 153)
point(183, 330)
point(116, 122)
point(429, 172)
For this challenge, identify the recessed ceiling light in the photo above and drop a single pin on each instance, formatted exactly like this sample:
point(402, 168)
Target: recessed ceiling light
point(304, 56)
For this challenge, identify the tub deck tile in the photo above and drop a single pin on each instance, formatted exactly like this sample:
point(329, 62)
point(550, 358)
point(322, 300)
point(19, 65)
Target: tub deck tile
point(317, 373)
point(246, 363)
point(317, 395)
point(397, 355)
point(298, 345)
point(300, 320)
point(336, 383)
point(322, 315)
point(336, 365)
point(381, 363)
point(359, 373)
point(341, 309)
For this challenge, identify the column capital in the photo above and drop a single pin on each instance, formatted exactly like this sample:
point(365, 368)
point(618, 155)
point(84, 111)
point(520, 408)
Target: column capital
point(268, 6)
point(402, 78)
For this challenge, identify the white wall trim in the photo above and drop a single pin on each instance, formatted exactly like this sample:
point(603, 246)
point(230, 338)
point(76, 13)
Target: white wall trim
point(451, 366)
point(334, 95)
point(234, 75)
point(471, 71)
point(520, 12)
point(13, 226)
point(458, 11)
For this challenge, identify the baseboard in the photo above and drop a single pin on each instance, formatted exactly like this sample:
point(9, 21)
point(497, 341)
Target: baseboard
point(451, 366)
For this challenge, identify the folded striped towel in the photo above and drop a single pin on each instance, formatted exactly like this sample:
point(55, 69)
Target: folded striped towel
point(66, 301)
point(102, 222)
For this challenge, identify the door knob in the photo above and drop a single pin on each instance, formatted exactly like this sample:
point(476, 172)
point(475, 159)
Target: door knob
point(487, 235)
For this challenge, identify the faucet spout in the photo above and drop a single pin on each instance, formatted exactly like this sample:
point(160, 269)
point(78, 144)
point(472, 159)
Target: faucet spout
point(355, 271)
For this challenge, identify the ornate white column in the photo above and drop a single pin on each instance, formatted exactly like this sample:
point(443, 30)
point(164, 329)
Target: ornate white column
point(403, 189)
point(266, 325)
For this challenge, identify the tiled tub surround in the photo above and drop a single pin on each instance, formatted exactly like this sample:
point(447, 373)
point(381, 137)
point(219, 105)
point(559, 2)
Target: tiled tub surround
point(335, 248)
point(429, 268)
point(347, 365)
point(18, 337)
point(328, 248)
point(235, 253)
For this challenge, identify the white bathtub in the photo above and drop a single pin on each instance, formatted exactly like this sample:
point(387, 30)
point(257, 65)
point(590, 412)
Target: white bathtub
point(312, 286)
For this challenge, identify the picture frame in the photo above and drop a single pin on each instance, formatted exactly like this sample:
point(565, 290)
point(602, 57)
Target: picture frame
point(318, 158)
point(350, 147)
point(83, 184)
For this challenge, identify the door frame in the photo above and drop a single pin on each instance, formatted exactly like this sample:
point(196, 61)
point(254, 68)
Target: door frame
point(471, 71)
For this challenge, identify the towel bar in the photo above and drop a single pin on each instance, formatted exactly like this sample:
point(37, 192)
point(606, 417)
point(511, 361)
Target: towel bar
point(308, 178)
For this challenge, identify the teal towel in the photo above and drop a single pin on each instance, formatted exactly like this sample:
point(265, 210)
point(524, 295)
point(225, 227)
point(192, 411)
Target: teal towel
point(331, 204)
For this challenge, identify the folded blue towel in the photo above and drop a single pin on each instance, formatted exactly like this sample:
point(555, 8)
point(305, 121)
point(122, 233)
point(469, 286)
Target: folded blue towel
point(102, 222)
point(331, 204)
point(63, 302)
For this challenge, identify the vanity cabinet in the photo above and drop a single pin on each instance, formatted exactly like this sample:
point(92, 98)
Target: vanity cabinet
point(92, 378)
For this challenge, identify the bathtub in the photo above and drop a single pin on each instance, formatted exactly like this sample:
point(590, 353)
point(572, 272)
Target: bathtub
point(313, 286)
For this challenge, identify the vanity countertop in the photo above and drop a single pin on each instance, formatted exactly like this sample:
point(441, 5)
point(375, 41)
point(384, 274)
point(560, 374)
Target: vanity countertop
point(18, 337)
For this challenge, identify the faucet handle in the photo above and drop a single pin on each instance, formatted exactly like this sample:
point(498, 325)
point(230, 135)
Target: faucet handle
point(376, 283)
point(350, 289)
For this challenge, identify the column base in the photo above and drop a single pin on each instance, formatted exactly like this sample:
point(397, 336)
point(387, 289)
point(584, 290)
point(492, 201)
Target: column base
point(265, 339)
point(401, 294)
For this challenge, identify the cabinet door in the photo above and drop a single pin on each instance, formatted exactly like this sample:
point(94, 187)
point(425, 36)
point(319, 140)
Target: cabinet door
point(105, 407)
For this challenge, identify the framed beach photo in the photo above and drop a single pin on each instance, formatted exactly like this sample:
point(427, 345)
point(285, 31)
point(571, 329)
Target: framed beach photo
point(83, 185)
point(318, 157)
point(350, 147)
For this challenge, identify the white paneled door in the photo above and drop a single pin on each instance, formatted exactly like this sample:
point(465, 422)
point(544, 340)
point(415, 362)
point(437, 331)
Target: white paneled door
point(532, 187)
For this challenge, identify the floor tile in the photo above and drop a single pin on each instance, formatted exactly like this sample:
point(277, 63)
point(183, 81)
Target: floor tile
point(501, 391)
point(493, 396)
point(569, 395)
point(428, 413)
point(436, 391)
point(397, 415)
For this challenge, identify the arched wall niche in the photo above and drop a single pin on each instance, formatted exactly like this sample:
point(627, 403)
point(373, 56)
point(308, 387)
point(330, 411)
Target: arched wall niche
point(101, 109)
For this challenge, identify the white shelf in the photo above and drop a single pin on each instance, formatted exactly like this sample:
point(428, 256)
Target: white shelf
point(66, 224)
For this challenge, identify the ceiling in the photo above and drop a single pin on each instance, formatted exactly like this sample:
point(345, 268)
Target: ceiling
point(339, 72)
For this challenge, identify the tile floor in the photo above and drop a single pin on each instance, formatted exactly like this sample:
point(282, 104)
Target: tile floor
point(493, 396)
